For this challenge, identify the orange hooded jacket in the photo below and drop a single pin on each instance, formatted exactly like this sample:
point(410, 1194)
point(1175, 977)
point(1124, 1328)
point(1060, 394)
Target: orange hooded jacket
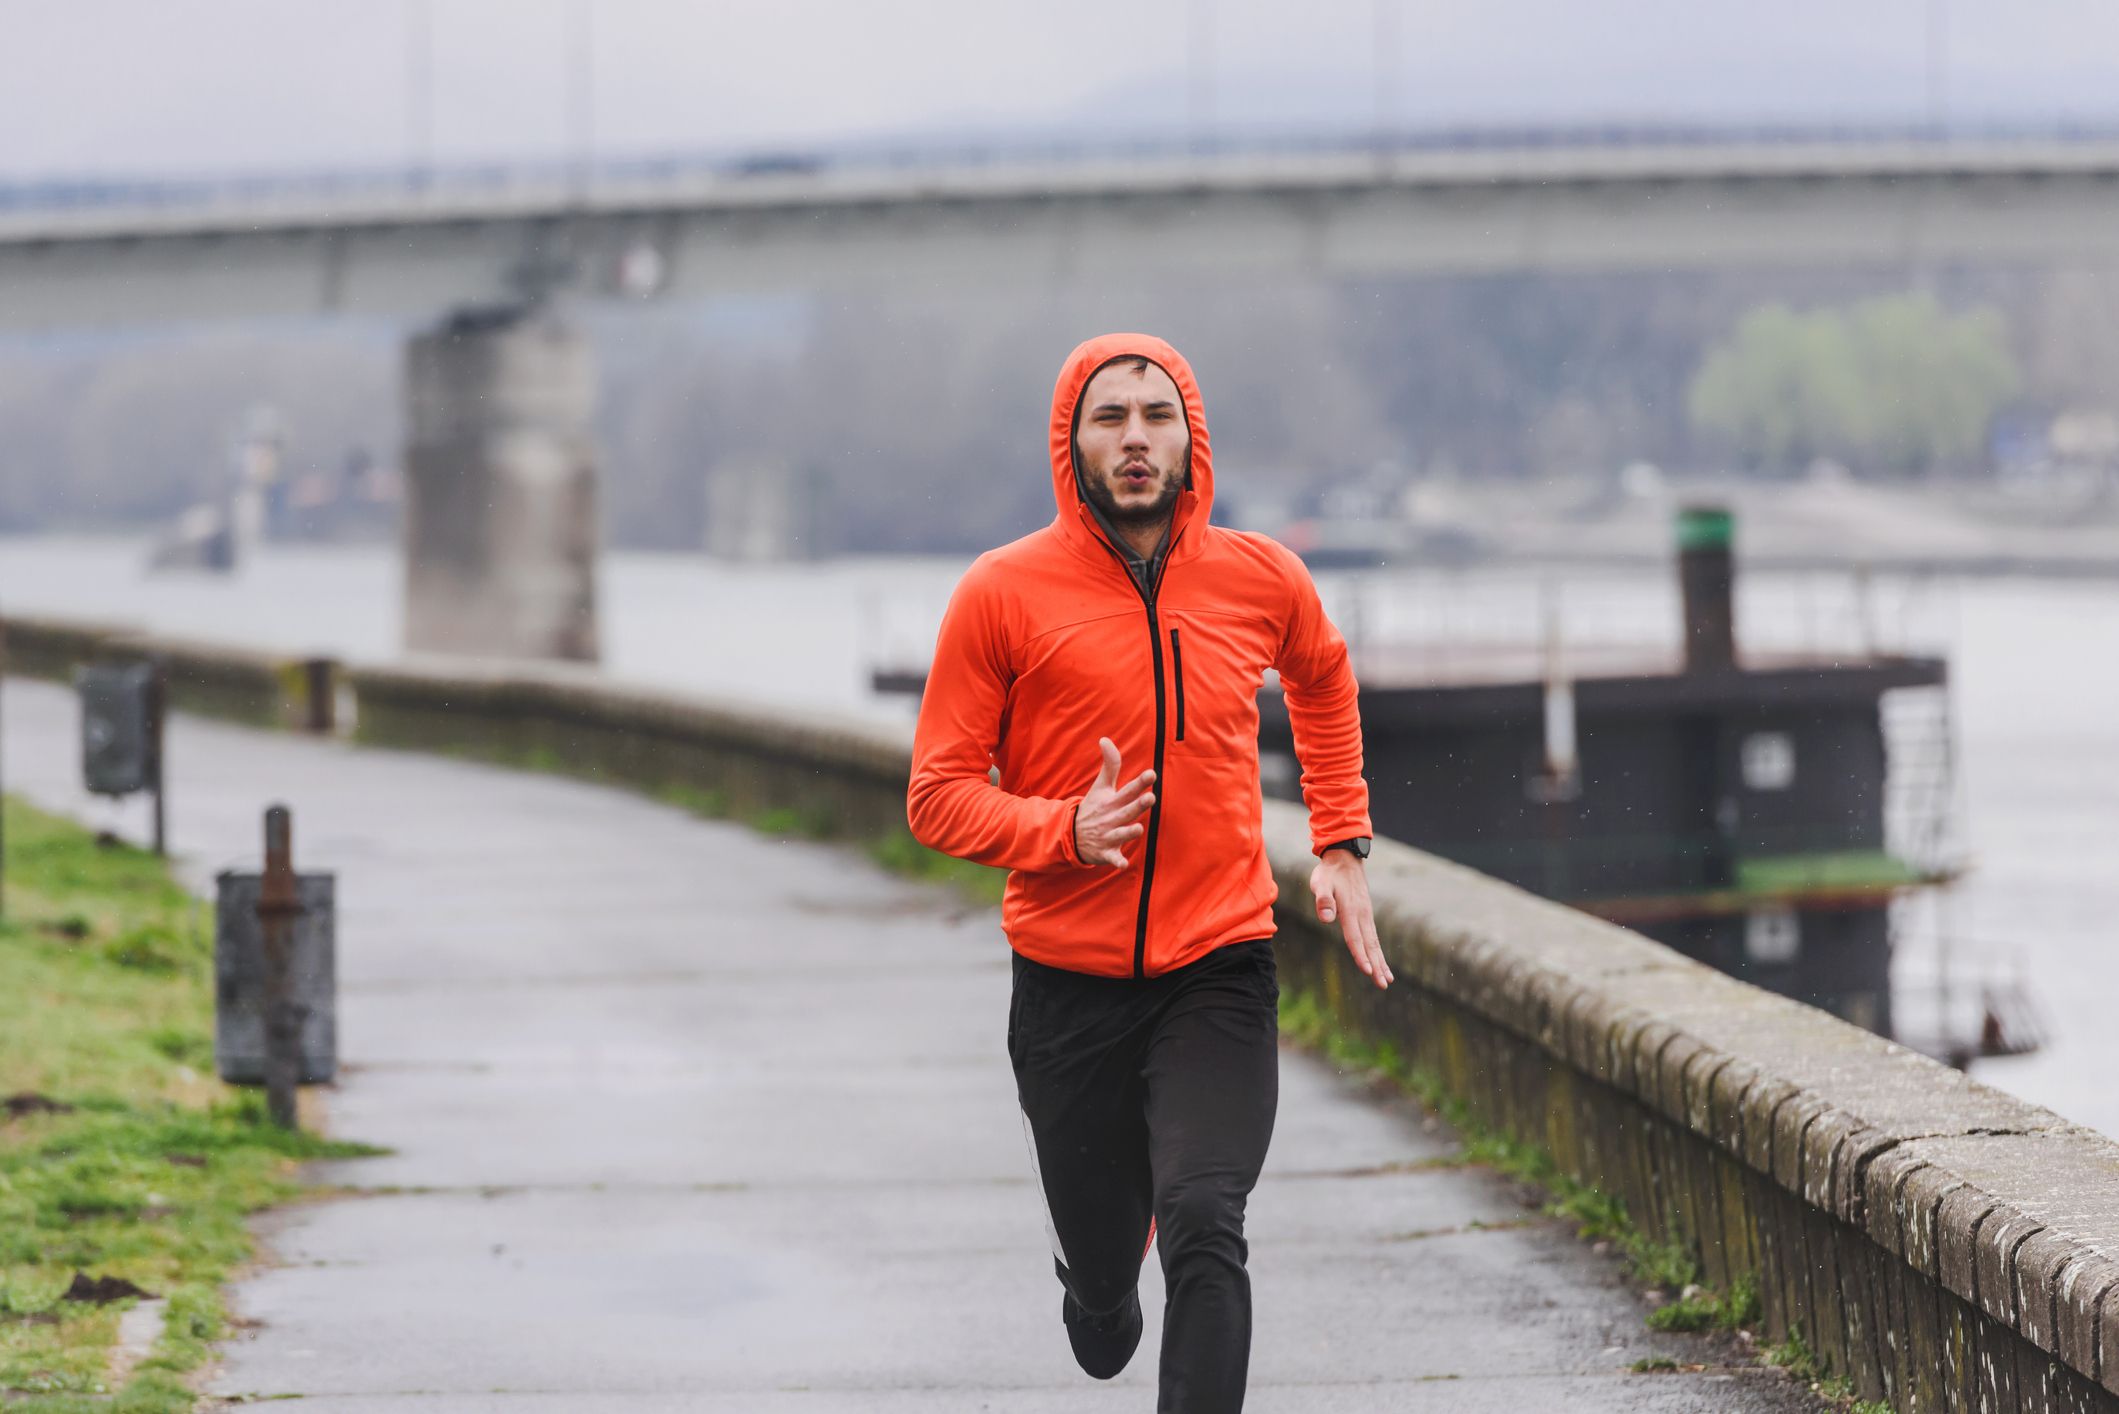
point(1049, 643)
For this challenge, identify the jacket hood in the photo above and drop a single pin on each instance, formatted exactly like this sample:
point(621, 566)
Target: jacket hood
point(1076, 517)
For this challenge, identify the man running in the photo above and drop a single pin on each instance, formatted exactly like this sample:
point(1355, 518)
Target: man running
point(1142, 1028)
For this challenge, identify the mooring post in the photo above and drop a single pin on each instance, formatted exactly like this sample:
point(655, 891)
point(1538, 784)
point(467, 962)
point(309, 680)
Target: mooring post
point(157, 710)
point(1707, 582)
point(279, 902)
point(3, 790)
point(319, 681)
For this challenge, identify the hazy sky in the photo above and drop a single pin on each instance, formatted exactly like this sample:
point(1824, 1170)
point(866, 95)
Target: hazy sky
point(156, 87)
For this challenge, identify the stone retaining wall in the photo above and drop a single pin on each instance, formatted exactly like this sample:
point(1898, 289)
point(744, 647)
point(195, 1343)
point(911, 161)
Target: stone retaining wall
point(1945, 1246)
point(829, 776)
point(210, 679)
point(51, 648)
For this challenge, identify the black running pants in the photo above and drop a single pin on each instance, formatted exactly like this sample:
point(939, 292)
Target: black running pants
point(1152, 1100)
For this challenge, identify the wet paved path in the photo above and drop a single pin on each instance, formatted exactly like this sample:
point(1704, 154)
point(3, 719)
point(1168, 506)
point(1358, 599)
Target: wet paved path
point(688, 1118)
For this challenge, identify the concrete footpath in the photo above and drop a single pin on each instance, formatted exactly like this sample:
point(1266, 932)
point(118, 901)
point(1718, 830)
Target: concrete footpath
point(691, 1118)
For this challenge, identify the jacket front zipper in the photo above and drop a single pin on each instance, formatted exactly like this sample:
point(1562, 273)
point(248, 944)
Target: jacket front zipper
point(1155, 811)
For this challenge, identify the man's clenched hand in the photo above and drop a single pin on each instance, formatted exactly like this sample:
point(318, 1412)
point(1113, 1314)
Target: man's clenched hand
point(1341, 883)
point(1105, 818)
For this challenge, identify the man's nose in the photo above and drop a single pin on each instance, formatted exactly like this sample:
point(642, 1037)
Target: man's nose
point(1136, 431)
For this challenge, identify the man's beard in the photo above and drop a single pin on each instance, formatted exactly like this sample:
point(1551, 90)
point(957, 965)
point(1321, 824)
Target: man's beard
point(1152, 513)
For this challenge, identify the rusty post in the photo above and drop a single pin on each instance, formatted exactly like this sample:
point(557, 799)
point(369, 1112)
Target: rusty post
point(279, 902)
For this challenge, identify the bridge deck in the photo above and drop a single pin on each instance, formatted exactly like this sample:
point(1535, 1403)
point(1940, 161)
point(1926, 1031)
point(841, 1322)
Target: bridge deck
point(686, 1117)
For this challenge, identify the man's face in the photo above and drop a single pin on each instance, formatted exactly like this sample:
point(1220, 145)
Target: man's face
point(1132, 439)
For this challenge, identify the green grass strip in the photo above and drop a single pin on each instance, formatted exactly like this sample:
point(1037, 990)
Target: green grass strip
point(151, 1166)
point(1824, 869)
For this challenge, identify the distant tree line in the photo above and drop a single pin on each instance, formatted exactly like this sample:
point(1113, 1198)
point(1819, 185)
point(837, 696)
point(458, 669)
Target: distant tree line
point(1894, 385)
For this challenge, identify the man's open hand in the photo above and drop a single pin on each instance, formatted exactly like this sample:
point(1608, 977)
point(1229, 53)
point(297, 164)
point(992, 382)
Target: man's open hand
point(1341, 883)
point(1107, 816)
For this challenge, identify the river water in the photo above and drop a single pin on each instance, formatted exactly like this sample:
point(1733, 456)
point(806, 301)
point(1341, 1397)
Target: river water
point(2034, 663)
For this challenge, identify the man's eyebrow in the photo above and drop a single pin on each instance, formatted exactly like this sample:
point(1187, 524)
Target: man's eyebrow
point(1159, 405)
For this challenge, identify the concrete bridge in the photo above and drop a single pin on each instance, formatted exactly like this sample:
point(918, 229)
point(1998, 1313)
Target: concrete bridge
point(419, 244)
point(689, 1116)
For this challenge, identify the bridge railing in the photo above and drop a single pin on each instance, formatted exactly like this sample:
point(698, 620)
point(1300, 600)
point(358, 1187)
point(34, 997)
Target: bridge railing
point(399, 184)
point(1943, 1245)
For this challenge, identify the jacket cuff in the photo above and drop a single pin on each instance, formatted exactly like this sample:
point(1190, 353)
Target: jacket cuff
point(1067, 851)
point(1346, 830)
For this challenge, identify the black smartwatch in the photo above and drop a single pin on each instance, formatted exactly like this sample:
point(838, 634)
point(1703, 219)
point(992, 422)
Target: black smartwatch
point(1358, 846)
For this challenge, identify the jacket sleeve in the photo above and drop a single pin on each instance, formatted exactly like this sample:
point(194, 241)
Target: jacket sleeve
point(1324, 713)
point(952, 804)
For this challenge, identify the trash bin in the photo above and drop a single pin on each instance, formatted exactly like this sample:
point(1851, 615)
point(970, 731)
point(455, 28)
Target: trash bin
point(117, 726)
point(239, 979)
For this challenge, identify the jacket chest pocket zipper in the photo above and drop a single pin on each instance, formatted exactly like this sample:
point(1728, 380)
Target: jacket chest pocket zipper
point(1177, 671)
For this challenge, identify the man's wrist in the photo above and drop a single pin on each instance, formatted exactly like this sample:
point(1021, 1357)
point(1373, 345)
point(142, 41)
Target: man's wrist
point(1074, 839)
point(1356, 845)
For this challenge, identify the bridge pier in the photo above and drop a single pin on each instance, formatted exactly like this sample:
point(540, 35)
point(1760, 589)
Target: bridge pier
point(501, 523)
